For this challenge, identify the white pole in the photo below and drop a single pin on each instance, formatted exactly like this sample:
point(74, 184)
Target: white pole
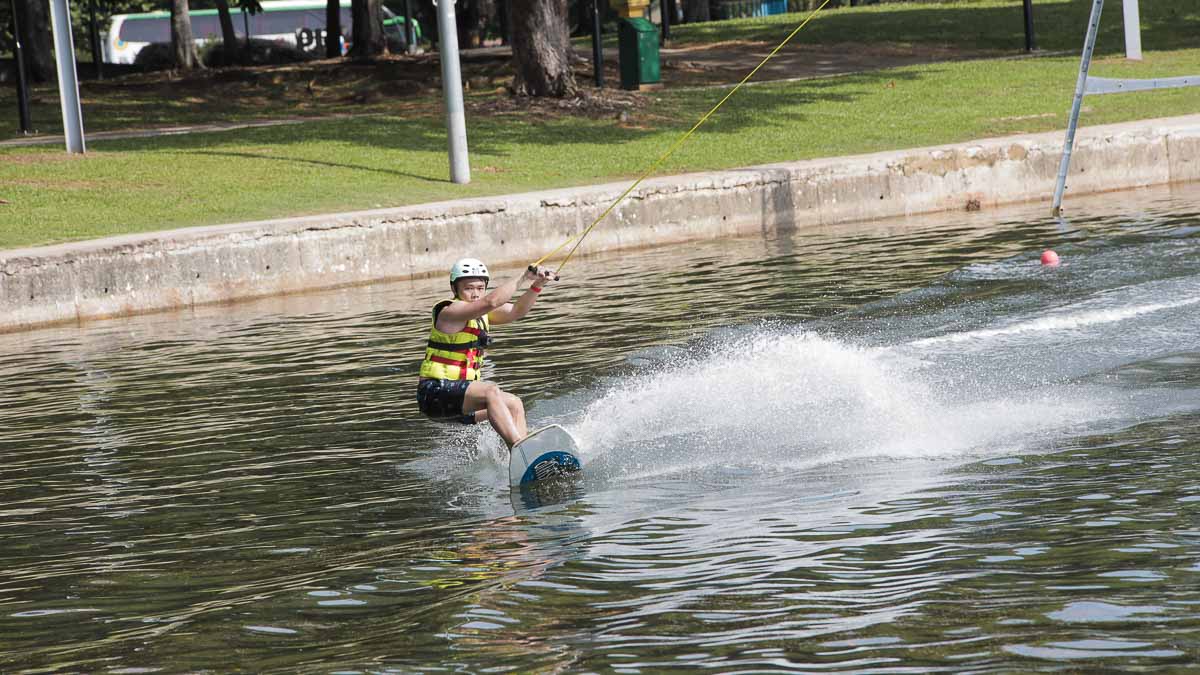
point(68, 83)
point(1133, 30)
point(456, 118)
point(1089, 43)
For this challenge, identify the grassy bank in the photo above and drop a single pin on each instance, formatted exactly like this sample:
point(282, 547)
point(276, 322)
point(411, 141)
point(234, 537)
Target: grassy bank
point(393, 152)
point(147, 184)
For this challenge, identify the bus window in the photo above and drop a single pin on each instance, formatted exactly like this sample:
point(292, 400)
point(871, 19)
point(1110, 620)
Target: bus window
point(284, 22)
point(145, 30)
point(206, 27)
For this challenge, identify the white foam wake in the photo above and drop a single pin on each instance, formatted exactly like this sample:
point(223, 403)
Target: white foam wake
point(792, 399)
point(1067, 321)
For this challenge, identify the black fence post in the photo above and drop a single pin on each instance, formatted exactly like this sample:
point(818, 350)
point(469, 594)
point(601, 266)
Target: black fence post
point(22, 83)
point(94, 34)
point(665, 15)
point(502, 15)
point(597, 48)
point(1030, 40)
point(410, 34)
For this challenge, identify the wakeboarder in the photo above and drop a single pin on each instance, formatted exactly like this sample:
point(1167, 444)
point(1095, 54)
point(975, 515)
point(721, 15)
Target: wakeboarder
point(451, 388)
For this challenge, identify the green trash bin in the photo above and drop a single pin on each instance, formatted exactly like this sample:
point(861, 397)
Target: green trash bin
point(637, 40)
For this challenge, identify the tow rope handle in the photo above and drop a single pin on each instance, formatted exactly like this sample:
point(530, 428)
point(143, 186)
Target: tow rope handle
point(533, 269)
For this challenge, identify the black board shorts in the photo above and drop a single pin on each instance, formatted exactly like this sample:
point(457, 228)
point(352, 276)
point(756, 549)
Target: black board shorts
point(442, 400)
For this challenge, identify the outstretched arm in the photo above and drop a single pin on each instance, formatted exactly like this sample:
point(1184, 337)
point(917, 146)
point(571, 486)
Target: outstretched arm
point(455, 317)
point(518, 310)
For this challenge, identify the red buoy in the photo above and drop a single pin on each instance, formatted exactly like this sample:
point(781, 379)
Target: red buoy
point(1050, 258)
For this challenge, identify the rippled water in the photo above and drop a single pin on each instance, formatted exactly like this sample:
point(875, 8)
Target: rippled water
point(890, 447)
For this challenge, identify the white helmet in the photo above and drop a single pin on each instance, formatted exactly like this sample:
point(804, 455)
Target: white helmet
point(468, 267)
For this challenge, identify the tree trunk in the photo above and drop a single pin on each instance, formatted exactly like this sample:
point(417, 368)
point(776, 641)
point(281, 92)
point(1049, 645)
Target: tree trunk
point(367, 33)
point(696, 10)
point(228, 35)
point(541, 48)
point(183, 46)
point(35, 39)
point(333, 29)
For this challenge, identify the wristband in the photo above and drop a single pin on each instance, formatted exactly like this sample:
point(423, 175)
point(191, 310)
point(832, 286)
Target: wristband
point(536, 289)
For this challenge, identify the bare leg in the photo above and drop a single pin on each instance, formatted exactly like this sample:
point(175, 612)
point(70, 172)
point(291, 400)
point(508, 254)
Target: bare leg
point(487, 397)
point(517, 408)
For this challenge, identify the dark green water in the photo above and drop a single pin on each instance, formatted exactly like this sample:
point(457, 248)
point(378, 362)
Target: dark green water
point(898, 447)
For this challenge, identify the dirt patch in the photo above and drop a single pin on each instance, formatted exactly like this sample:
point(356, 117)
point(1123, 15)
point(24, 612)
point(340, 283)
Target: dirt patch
point(593, 103)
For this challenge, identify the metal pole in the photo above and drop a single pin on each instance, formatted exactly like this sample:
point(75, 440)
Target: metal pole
point(94, 34)
point(410, 35)
point(68, 81)
point(22, 84)
point(1133, 30)
point(1089, 43)
point(456, 118)
point(597, 48)
point(1030, 40)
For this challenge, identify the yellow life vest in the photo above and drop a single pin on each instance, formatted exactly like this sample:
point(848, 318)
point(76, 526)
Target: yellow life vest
point(455, 356)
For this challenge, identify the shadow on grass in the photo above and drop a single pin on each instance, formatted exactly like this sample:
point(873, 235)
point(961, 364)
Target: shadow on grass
point(315, 162)
point(769, 105)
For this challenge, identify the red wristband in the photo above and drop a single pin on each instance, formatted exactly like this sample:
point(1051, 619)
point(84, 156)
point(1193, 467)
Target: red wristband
point(535, 289)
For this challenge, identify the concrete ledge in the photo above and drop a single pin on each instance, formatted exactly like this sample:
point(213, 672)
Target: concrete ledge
point(181, 268)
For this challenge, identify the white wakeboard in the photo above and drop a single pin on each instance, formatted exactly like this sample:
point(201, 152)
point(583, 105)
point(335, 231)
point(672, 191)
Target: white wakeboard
point(546, 453)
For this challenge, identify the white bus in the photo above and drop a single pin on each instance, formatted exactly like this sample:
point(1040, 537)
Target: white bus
point(294, 22)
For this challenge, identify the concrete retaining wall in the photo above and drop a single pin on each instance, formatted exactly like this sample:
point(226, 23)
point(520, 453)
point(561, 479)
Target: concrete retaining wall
point(165, 270)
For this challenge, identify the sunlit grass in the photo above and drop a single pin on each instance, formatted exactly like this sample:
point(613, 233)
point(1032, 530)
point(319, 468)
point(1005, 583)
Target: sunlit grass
point(968, 24)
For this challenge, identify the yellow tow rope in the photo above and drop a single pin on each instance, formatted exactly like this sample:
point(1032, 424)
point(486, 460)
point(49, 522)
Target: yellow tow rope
point(578, 239)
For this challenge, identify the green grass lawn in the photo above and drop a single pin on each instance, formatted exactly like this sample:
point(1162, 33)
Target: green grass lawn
point(408, 86)
point(149, 184)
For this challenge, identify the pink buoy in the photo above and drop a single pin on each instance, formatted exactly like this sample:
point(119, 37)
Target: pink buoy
point(1050, 258)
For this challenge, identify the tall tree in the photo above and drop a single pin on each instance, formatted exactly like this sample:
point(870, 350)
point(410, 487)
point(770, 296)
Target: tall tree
point(541, 48)
point(367, 33)
point(34, 18)
point(228, 35)
point(333, 29)
point(696, 10)
point(183, 46)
